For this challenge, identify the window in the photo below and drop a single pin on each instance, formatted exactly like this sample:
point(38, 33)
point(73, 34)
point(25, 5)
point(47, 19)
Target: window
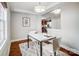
point(3, 24)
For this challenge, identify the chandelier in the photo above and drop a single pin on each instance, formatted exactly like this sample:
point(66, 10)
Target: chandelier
point(39, 8)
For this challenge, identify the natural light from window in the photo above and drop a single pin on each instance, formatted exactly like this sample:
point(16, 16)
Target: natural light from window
point(3, 24)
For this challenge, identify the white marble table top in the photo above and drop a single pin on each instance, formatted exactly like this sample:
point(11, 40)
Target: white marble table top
point(40, 36)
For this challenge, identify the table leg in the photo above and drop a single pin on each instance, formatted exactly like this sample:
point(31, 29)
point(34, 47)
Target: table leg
point(54, 53)
point(28, 40)
point(40, 48)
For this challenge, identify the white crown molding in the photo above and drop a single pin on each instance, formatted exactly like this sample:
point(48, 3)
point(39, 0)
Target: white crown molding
point(22, 11)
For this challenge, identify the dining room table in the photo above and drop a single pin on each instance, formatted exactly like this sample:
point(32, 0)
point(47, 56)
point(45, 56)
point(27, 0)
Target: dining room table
point(40, 37)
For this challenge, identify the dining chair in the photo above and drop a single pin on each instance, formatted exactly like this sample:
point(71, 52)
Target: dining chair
point(56, 46)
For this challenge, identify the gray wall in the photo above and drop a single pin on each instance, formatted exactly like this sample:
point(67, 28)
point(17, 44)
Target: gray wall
point(70, 25)
point(20, 32)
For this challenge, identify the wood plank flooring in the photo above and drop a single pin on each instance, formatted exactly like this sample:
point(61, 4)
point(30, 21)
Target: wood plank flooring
point(15, 50)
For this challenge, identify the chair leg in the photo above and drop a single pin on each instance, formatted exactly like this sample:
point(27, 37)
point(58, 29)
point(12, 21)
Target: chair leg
point(36, 48)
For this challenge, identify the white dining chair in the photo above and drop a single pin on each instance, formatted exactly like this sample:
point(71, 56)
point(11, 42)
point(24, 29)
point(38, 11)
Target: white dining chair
point(56, 46)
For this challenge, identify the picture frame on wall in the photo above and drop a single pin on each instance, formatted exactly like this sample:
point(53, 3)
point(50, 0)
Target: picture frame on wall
point(26, 21)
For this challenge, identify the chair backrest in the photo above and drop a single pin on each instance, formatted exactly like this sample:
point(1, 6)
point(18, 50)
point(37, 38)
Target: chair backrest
point(55, 44)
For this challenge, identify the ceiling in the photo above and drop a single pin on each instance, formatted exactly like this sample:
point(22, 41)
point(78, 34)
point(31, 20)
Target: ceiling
point(28, 7)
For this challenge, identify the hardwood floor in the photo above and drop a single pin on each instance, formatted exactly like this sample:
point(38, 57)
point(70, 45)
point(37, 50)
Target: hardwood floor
point(15, 50)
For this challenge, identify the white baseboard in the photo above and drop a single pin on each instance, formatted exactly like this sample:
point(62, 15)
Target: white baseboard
point(18, 39)
point(70, 49)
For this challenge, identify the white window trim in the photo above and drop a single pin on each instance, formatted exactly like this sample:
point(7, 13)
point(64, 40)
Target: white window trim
point(4, 20)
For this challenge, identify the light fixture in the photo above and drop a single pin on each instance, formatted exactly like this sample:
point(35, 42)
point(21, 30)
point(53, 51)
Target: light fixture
point(57, 11)
point(39, 8)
